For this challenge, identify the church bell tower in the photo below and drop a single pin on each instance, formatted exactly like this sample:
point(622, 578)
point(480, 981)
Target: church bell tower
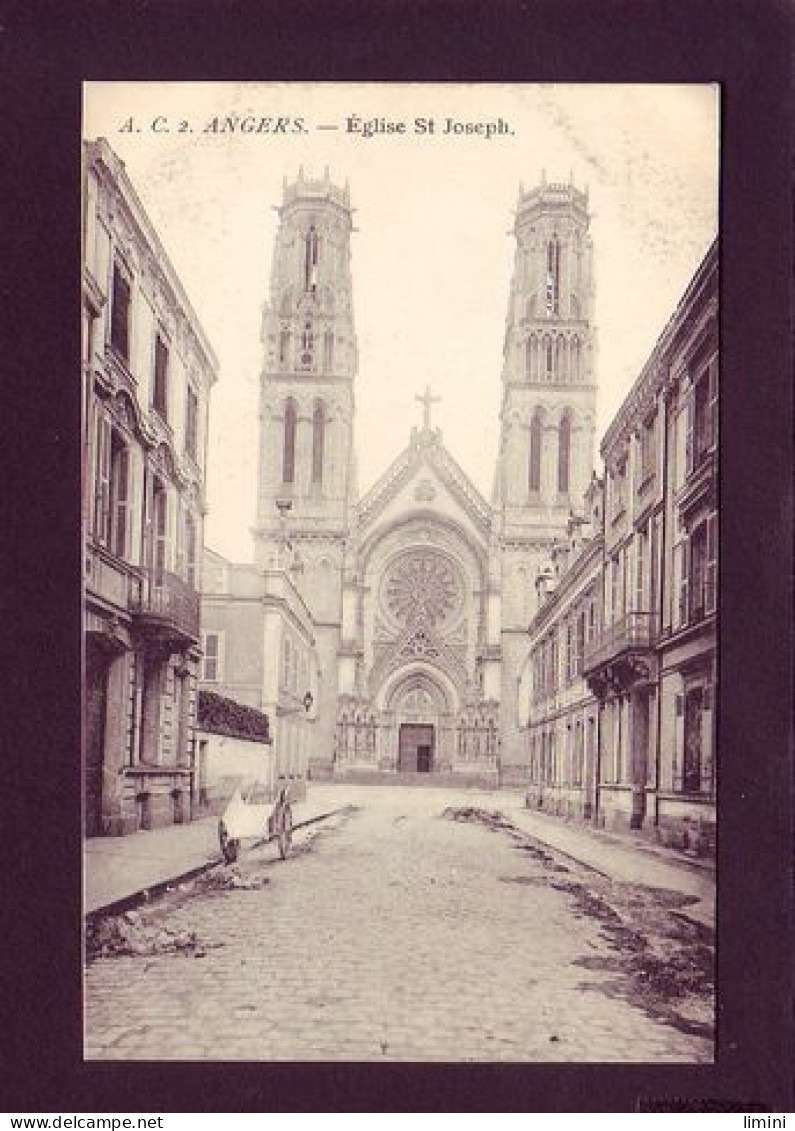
point(306, 481)
point(549, 390)
point(547, 419)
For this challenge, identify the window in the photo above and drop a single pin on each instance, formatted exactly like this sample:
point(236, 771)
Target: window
point(328, 351)
point(570, 658)
point(641, 571)
point(681, 580)
point(190, 549)
point(310, 259)
point(575, 360)
point(119, 488)
point(288, 455)
point(564, 451)
point(120, 313)
point(648, 449)
point(560, 346)
point(284, 347)
point(704, 414)
point(111, 488)
point(553, 276)
point(212, 643)
point(534, 471)
point(711, 579)
point(160, 394)
point(618, 482)
point(702, 570)
point(580, 647)
point(191, 422)
point(160, 526)
point(318, 441)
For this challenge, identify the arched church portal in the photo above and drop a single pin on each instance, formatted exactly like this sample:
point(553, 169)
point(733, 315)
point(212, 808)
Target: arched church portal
point(418, 704)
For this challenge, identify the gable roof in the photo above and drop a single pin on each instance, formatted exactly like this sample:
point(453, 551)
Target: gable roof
point(425, 449)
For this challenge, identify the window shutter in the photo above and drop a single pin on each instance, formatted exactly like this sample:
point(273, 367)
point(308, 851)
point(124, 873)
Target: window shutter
point(121, 491)
point(102, 513)
point(679, 743)
point(179, 564)
point(713, 400)
point(707, 741)
point(710, 584)
point(161, 515)
point(681, 574)
point(689, 452)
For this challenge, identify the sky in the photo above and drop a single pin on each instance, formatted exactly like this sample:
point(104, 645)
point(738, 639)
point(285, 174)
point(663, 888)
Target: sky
point(432, 250)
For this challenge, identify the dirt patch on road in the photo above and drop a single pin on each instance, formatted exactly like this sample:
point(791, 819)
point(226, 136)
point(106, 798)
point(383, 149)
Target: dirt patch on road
point(141, 934)
point(662, 963)
point(490, 819)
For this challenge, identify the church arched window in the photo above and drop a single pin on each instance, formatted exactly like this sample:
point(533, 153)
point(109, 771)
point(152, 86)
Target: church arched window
point(564, 454)
point(328, 350)
point(528, 357)
point(575, 360)
point(534, 469)
point(284, 347)
point(549, 358)
point(553, 276)
point(318, 441)
point(310, 259)
point(288, 456)
point(560, 355)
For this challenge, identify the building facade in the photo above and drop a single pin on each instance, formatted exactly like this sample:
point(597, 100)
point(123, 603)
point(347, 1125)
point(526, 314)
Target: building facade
point(259, 650)
point(411, 601)
point(148, 369)
point(559, 711)
point(652, 663)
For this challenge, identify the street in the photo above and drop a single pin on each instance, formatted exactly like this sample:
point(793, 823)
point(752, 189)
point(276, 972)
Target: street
point(408, 928)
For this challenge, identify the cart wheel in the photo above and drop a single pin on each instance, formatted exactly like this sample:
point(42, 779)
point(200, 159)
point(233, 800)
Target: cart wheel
point(286, 831)
point(229, 847)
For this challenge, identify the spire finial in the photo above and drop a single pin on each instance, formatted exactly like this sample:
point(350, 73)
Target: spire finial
point(426, 400)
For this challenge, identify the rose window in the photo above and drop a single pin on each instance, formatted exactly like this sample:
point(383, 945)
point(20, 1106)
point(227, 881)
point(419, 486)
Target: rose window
point(422, 587)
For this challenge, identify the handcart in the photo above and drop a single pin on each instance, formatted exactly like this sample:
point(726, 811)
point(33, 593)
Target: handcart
point(249, 816)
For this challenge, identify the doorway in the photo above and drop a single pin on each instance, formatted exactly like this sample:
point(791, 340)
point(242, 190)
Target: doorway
point(415, 751)
point(96, 708)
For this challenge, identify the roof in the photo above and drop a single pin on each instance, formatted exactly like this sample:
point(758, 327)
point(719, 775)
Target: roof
point(425, 448)
point(220, 715)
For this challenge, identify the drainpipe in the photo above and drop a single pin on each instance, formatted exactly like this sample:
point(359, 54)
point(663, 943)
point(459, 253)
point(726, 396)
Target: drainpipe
point(660, 599)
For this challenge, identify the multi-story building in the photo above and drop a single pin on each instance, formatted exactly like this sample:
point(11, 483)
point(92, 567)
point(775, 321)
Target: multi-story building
point(147, 373)
point(558, 710)
point(686, 651)
point(651, 663)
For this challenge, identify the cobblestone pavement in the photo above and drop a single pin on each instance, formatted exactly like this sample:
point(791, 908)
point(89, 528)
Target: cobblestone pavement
point(389, 934)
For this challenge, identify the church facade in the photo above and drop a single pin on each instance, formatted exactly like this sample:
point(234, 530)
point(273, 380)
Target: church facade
point(419, 592)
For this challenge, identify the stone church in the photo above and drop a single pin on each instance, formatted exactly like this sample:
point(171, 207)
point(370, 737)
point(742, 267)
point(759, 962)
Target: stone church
point(411, 602)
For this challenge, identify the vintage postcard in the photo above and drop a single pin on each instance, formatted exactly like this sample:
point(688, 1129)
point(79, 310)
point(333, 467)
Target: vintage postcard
point(401, 535)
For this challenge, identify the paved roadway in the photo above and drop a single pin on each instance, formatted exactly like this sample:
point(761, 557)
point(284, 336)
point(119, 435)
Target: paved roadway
point(392, 934)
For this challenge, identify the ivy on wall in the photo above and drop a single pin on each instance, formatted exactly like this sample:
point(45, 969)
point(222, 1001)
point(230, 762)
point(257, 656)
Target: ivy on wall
point(220, 715)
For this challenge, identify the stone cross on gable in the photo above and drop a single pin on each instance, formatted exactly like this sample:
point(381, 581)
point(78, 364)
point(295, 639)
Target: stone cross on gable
point(426, 400)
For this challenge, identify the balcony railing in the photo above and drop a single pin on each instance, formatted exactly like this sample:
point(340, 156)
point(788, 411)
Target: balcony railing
point(634, 632)
point(168, 605)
